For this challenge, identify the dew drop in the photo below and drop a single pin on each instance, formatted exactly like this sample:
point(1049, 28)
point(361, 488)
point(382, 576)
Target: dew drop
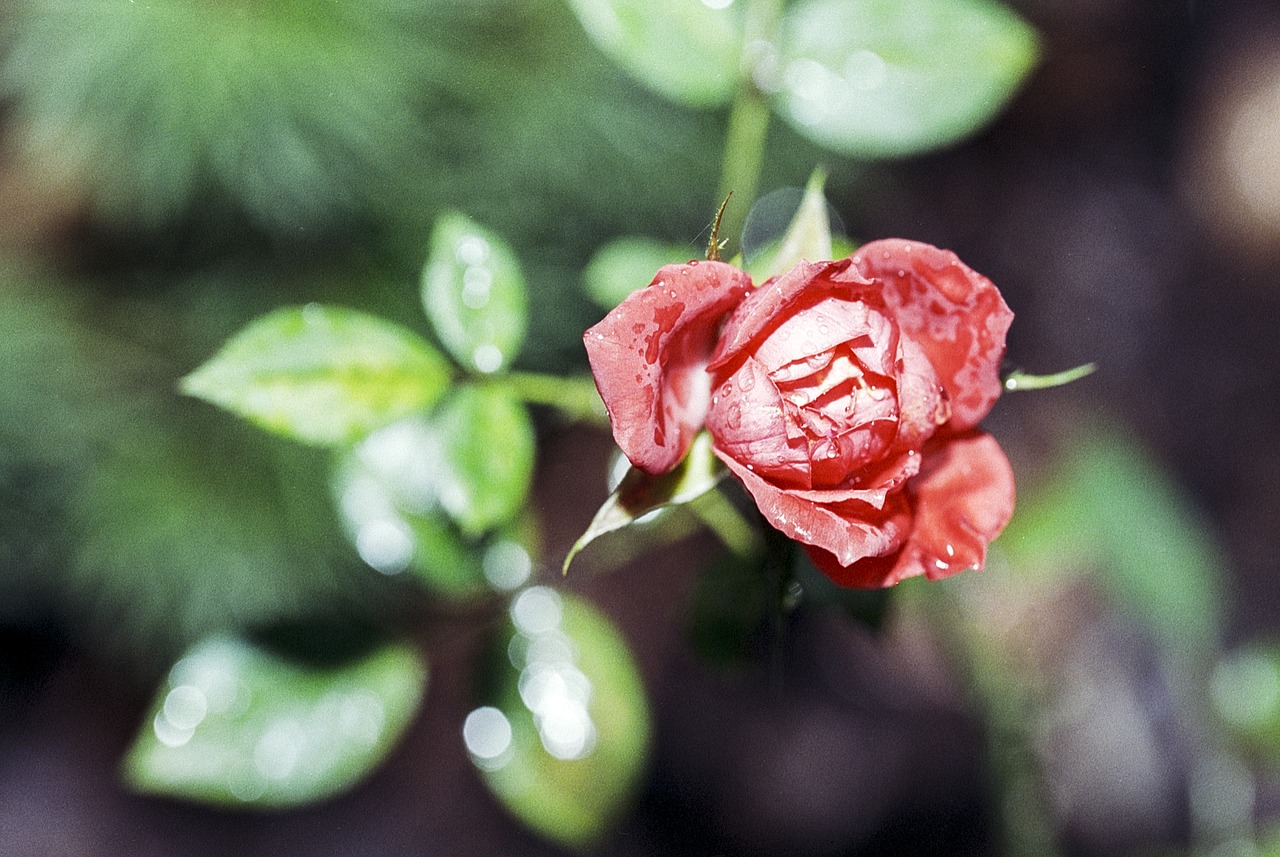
point(746, 382)
point(734, 417)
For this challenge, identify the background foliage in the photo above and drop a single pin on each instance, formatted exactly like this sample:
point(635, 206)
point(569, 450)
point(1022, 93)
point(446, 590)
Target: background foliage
point(173, 170)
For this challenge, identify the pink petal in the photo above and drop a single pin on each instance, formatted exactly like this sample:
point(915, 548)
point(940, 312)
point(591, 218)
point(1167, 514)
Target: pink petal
point(961, 501)
point(746, 419)
point(956, 314)
point(775, 301)
point(850, 530)
point(649, 357)
point(923, 405)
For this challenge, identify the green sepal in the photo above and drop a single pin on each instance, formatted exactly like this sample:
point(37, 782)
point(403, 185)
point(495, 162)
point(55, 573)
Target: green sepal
point(639, 494)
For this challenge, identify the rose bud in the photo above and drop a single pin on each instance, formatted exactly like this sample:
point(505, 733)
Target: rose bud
point(843, 395)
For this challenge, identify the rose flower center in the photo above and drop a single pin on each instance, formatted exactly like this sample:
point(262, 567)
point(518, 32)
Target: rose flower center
point(840, 414)
point(807, 410)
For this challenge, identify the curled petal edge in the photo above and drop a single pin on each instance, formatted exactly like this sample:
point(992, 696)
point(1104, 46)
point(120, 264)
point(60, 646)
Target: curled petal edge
point(649, 357)
point(955, 314)
point(874, 531)
point(961, 501)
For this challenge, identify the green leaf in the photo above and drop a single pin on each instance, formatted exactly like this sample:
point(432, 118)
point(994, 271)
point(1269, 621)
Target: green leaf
point(236, 725)
point(808, 237)
point(880, 78)
point(489, 445)
point(474, 294)
point(684, 50)
point(386, 496)
point(563, 740)
point(419, 495)
point(1245, 689)
point(626, 264)
point(639, 494)
point(321, 375)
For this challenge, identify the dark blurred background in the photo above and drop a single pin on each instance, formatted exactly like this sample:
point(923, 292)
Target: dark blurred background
point(164, 179)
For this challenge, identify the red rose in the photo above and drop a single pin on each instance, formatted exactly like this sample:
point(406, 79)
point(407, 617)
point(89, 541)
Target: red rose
point(844, 395)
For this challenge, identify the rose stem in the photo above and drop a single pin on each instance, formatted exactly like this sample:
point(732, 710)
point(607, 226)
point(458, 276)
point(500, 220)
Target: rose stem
point(748, 122)
point(574, 397)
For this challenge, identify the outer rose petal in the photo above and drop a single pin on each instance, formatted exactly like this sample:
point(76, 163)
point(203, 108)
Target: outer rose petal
point(962, 499)
point(834, 527)
point(649, 356)
point(956, 315)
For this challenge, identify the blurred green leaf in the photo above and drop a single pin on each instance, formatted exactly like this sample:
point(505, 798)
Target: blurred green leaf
point(236, 725)
point(489, 445)
point(321, 375)
point(474, 294)
point(626, 264)
point(808, 237)
point(1112, 509)
point(419, 495)
point(563, 740)
point(1245, 689)
point(880, 78)
point(386, 494)
point(639, 494)
point(687, 51)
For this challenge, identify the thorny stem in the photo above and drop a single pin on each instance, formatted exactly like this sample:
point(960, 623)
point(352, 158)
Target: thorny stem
point(748, 120)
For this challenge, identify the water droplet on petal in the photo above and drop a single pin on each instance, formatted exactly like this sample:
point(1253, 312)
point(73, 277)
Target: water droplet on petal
point(746, 382)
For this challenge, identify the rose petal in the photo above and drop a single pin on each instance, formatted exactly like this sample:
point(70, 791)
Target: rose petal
point(746, 420)
point(649, 354)
point(829, 322)
point(848, 535)
point(956, 314)
point(961, 501)
point(772, 303)
point(922, 402)
point(963, 498)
